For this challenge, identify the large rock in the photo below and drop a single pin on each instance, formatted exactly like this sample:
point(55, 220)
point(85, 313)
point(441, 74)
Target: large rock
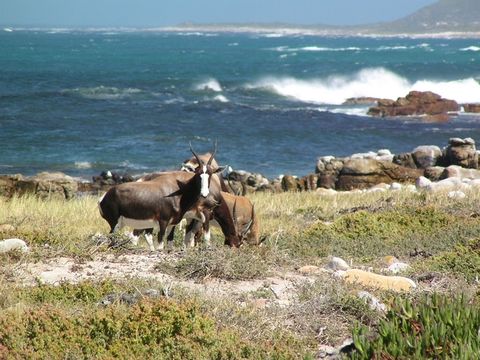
point(405, 159)
point(426, 155)
point(460, 172)
point(471, 108)
point(44, 185)
point(290, 183)
point(328, 168)
point(8, 183)
point(415, 103)
point(462, 152)
point(365, 173)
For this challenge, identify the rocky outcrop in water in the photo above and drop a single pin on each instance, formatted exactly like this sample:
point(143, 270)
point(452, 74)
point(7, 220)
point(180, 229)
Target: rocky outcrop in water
point(416, 103)
point(471, 108)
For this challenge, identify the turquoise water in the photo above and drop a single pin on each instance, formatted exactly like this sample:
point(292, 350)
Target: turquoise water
point(84, 102)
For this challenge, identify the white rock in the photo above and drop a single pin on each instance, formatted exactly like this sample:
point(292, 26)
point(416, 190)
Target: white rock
point(388, 158)
point(411, 188)
point(395, 186)
point(398, 267)
point(372, 301)
point(329, 192)
point(336, 263)
point(327, 159)
point(13, 244)
point(422, 183)
point(383, 152)
point(367, 155)
point(457, 195)
point(376, 189)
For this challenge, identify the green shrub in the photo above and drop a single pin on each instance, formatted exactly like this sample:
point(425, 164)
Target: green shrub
point(437, 327)
point(150, 329)
point(463, 260)
point(389, 232)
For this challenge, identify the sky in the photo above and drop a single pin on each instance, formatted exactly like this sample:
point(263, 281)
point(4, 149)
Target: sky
point(158, 13)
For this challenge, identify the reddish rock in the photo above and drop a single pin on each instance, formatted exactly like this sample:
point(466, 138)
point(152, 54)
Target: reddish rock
point(471, 108)
point(416, 103)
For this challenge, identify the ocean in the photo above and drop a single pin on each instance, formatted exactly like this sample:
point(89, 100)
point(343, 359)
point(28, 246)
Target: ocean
point(82, 102)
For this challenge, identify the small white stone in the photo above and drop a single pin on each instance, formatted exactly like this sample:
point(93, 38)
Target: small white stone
point(422, 182)
point(398, 267)
point(395, 186)
point(457, 195)
point(13, 244)
point(336, 263)
point(372, 301)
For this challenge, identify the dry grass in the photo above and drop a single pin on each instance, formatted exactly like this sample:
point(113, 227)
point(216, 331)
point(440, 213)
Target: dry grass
point(301, 228)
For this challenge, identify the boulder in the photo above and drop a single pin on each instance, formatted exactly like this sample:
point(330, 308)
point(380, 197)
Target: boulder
point(48, 185)
point(376, 281)
point(366, 173)
point(290, 183)
point(462, 152)
point(405, 159)
point(426, 155)
point(415, 103)
point(363, 100)
point(471, 108)
point(309, 182)
point(7, 184)
point(434, 173)
point(459, 172)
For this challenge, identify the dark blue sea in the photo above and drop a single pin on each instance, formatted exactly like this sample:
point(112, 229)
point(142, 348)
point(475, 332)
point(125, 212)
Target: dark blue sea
point(131, 101)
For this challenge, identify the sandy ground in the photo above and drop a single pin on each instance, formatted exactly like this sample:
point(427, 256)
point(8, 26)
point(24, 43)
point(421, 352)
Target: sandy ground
point(64, 269)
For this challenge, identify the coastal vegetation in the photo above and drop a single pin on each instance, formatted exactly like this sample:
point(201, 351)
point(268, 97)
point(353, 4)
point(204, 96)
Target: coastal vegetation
point(437, 236)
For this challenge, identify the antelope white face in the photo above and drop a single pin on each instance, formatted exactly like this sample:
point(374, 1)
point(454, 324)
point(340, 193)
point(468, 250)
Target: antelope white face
point(204, 176)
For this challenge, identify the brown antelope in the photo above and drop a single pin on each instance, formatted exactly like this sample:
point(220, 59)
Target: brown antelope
point(162, 202)
point(241, 210)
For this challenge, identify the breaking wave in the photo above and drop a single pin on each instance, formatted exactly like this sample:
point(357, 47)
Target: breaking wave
point(103, 92)
point(370, 82)
point(209, 84)
point(471, 48)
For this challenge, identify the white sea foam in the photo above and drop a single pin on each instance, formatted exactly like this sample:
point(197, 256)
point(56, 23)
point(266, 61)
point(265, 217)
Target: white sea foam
point(221, 98)
point(83, 165)
point(471, 48)
point(371, 82)
point(315, 49)
point(103, 92)
point(209, 84)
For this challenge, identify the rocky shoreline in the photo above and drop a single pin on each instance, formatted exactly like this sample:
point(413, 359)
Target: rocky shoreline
point(425, 165)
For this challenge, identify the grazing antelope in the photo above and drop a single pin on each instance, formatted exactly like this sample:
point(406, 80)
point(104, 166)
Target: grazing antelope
point(162, 202)
point(242, 212)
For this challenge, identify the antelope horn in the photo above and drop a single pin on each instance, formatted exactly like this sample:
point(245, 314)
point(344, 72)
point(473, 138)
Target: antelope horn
point(235, 213)
point(213, 154)
point(196, 156)
point(250, 223)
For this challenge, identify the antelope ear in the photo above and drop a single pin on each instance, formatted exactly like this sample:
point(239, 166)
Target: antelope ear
point(181, 186)
point(219, 169)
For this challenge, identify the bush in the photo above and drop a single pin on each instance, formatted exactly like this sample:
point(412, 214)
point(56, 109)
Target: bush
point(390, 232)
point(150, 329)
point(437, 327)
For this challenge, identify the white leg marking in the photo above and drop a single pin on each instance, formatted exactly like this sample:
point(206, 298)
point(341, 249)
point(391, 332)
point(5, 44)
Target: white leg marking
point(189, 240)
point(149, 239)
point(206, 237)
